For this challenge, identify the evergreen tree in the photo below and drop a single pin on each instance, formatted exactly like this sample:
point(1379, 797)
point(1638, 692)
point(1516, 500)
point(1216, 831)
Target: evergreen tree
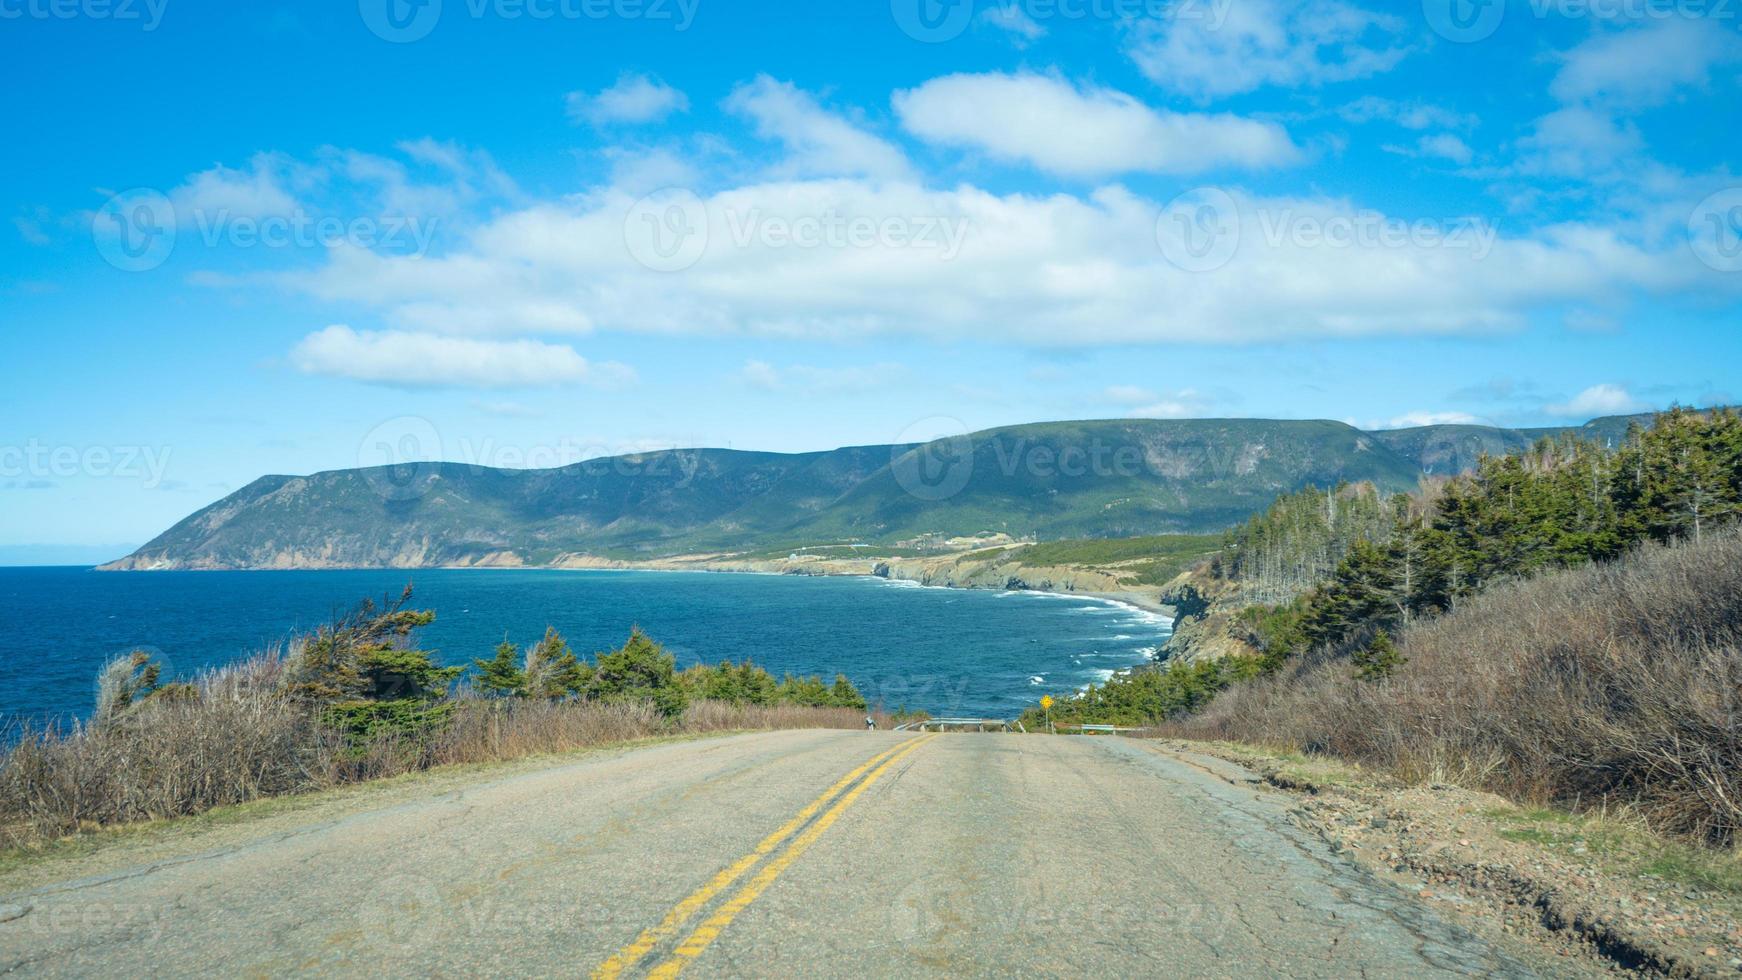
point(501, 674)
point(1379, 659)
point(366, 675)
point(552, 671)
point(641, 670)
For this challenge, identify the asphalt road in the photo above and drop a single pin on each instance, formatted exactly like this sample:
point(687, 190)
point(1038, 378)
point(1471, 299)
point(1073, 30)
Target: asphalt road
point(781, 854)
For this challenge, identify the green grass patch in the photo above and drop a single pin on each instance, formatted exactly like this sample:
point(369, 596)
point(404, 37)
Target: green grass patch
point(1151, 560)
point(1623, 846)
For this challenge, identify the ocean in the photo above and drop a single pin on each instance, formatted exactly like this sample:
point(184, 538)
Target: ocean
point(947, 651)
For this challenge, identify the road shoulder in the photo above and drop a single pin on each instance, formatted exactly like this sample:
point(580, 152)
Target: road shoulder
point(1600, 890)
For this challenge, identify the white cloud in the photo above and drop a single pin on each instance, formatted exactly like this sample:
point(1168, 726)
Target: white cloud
point(650, 169)
point(1128, 394)
point(413, 360)
point(254, 192)
point(1413, 420)
point(508, 410)
point(1409, 115)
point(1578, 142)
point(1598, 400)
point(1606, 80)
point(1591, 321)
point(1439, 146)
point(760, 374)
point(1015, 21)
point(1142, 403)
point(1644, 66)
point(1053, 270)
point(1217, 49)
point(820, 380)
point(31, 231)
point(1083, 132)
point(634, 98)
point(818, 142)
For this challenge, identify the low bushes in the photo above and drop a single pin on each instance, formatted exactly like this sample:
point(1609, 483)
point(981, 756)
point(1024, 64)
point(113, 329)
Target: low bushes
point(1611, 684)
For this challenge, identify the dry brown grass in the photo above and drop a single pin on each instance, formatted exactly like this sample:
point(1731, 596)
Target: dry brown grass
point(242, 741)
point(1608, 685)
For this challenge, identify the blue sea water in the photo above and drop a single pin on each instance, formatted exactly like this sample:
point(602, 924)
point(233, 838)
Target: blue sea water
point(944, 650)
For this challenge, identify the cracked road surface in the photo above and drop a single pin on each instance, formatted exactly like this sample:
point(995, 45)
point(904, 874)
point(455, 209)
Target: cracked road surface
point(818, 853)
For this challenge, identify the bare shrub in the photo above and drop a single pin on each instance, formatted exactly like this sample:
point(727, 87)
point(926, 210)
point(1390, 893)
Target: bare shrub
point(1618, 683)
point(242, 739)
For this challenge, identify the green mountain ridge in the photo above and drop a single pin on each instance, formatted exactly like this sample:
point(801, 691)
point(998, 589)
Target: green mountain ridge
point(1048, 481)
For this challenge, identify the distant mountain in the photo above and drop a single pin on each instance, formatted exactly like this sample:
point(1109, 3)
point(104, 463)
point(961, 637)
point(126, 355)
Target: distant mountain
point(1051, 480)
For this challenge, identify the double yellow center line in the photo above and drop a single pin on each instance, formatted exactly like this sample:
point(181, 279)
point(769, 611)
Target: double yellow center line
point(698, 940)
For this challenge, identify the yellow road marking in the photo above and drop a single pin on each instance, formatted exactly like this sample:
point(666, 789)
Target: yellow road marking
point(631, 954)
point(698, 941)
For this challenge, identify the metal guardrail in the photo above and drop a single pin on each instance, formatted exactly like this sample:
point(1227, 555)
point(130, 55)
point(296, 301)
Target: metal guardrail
point(1103, 728)
point(978, 724)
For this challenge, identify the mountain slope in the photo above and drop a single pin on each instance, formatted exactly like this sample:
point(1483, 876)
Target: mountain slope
point(1050, 480)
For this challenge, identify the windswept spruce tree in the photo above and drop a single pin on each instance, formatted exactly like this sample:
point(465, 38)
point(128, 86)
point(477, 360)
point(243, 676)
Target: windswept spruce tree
point(365, 675)
point(641, 670)
point(547, 669)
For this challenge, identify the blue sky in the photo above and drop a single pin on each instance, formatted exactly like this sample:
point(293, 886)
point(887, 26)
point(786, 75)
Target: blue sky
point(247, 239)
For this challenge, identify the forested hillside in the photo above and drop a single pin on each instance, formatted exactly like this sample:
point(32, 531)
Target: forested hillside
point(1046, 482)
